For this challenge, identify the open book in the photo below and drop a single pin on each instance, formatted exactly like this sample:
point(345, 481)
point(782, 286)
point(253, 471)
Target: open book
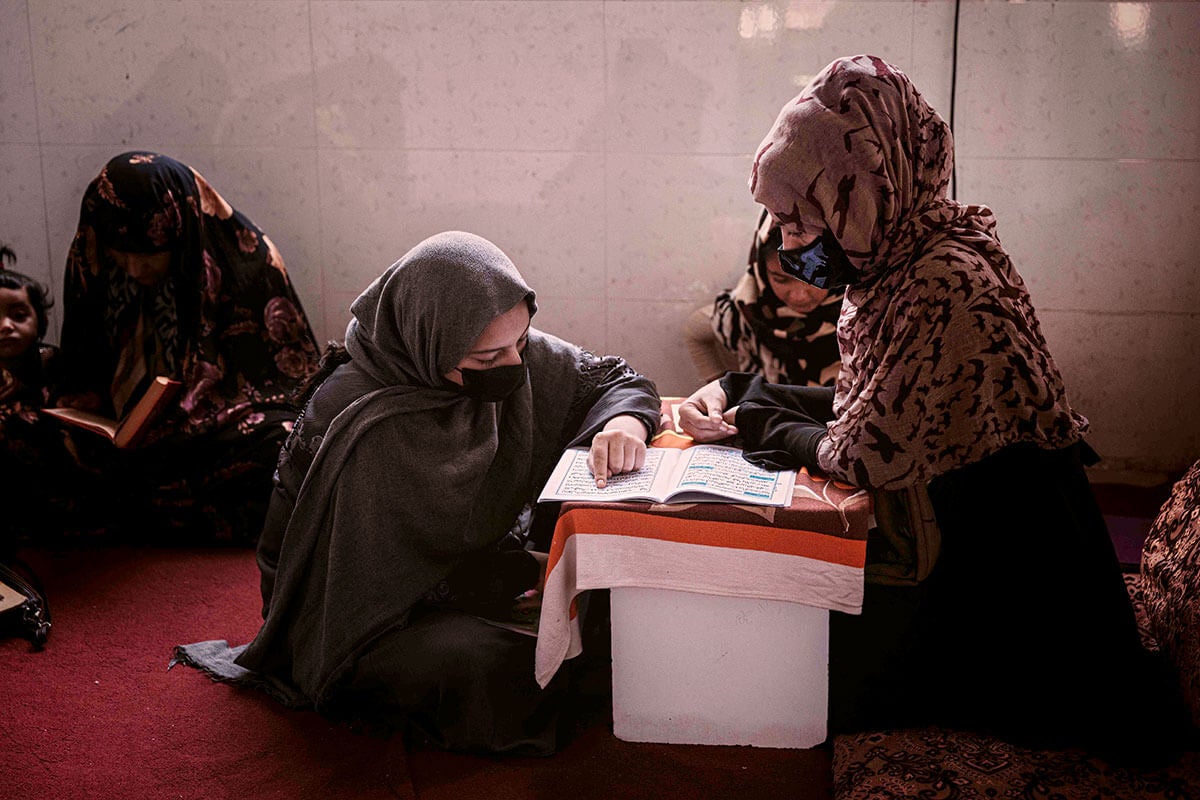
point(130, 430)
point(703, 473)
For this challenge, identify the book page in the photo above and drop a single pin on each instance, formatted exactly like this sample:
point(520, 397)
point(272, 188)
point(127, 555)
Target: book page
point(721, 471)
point(572, 480)
point(128, 431)
point(88, 420)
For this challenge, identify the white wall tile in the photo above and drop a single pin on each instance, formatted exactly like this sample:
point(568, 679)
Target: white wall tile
point(23, 217)
point(605, 146)
point(18, 110)
point(337, 315)
point(1080, 80)
point(580, 320)
point(1134, 377)
point(192, 72)
point(679, 227)
point(469, 75)
point(710, 77)
point(1104, 236)
point(540, 208)
point(932, 50)
point(649, 334)
point(67, 171)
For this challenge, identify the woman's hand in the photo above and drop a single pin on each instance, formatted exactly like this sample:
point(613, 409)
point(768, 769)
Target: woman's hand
point(620, 447)
point(703, 415)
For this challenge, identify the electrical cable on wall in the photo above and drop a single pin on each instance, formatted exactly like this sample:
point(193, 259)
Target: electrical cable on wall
point(953, 92)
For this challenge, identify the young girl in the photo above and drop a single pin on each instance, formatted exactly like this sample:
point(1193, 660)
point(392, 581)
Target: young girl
point(23, 304)
point(29, 447)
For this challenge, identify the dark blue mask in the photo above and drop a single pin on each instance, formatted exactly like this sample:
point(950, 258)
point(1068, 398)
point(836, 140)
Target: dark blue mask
point(822, 263)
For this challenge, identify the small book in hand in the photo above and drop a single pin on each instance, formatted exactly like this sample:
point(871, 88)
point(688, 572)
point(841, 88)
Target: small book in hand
point(702, 473)
point(130, 430)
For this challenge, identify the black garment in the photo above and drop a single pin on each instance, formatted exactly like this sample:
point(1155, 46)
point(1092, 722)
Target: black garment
point(1024, 626)
point(459, 682)
point(41, 480)
point(780, 426)
point(465, 684)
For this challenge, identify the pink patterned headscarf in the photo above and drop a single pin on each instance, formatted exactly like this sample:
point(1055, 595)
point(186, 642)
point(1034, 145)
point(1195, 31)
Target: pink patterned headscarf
point(943, 358)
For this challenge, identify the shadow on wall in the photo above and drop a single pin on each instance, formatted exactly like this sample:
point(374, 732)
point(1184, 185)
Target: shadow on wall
point(159, 111)
point(239, 141)
point(654, 256)
point(669, 247)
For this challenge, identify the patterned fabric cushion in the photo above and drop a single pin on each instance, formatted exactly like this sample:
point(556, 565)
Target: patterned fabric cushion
point(1171, 581)
point(941, 764)
point(1136, 587)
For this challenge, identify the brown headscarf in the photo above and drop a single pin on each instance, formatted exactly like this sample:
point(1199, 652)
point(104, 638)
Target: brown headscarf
point(943, 359)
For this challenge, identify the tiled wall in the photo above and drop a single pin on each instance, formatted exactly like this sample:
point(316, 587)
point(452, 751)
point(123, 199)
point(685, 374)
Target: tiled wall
point(606, 145)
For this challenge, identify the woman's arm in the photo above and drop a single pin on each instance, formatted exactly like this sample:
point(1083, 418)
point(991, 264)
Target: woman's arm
point(780, 426)
point(615, 412)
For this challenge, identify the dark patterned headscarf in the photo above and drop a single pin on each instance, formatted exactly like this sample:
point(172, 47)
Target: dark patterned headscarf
point(943, 358)
point(768, 337)
point(225, 320)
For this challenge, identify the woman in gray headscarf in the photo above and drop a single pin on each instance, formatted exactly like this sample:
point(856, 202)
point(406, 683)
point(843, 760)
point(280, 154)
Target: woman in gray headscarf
point(401, 507)
point(946, 386)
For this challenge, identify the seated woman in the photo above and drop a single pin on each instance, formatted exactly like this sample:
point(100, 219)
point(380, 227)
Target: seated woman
point(165, 278)
point(772, 323)
point(1024, 625)
point(401, 509)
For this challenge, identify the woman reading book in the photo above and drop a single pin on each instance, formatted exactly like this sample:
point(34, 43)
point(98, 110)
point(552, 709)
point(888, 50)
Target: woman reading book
point(1023, 626)
point(165, 278)
point(402, 505)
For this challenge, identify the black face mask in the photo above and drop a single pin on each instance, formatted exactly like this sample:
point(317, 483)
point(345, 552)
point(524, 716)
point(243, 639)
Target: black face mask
point(494, 384)
point(822, 263)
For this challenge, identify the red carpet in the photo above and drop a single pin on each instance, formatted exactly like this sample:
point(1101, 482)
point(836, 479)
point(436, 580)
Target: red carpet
point(98, 715)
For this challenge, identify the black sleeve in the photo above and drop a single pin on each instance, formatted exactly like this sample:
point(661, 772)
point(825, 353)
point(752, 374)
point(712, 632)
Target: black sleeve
point(608, 388)
point(780, 426)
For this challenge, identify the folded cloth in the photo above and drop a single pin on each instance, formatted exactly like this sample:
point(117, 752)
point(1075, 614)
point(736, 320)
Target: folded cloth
point(812, 552)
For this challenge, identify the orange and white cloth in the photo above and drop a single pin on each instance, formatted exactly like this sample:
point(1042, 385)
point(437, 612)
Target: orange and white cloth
point(811, 552)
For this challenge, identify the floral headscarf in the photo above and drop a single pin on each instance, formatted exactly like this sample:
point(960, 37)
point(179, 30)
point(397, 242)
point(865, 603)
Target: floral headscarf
point(225, 320)
point(943, 358)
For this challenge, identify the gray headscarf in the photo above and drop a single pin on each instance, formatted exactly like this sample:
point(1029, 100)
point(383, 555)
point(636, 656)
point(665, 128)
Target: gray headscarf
point(417, 320)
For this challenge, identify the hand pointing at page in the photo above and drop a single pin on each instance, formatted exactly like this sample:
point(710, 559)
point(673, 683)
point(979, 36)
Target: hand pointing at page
point(620, 447)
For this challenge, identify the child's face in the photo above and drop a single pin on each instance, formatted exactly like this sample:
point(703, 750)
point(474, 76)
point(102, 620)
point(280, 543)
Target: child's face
point(18, 325)
point(797, 295)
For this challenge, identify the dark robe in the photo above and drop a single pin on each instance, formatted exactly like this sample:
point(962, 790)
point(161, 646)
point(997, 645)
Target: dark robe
point(224, 320)
point(391, 480)
point(1023, 627)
